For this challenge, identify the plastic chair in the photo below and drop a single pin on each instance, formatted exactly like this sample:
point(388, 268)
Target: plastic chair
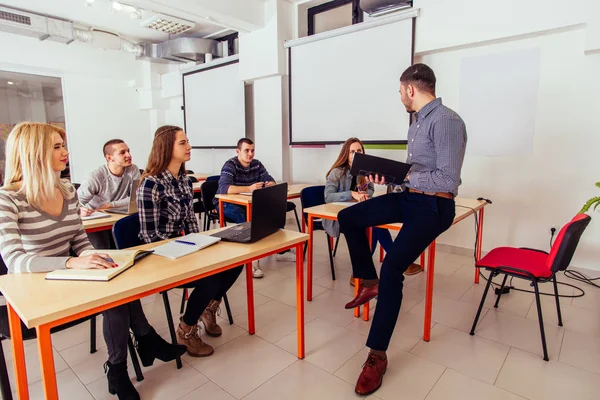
point(189, 171)
point(208, 191)
point(213, 178)
point(310, 197)
point(536, 266)
point(291, 206)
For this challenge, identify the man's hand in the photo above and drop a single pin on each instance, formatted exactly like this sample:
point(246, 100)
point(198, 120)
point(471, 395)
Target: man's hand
point(85, 211)
point(270, 183)
point(376, 180)
point(255, 186)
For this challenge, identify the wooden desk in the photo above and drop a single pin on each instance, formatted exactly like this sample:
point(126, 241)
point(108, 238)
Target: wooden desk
point(464, 208)
point(101, 224)
point(44, 304)
point(196, 186)
point(245, 200)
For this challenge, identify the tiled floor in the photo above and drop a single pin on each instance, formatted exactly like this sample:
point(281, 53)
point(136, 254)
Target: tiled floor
point(502, 361)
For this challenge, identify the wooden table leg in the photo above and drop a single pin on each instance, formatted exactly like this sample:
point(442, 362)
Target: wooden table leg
point(429, 292)
point(250, 294)
point(221, 213)
point(479, 239)
point(309, 262)
point(16, 339)
point(47, 362)
point(300, 298)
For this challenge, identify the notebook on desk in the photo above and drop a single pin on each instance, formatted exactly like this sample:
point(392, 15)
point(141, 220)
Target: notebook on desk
point(124, 258)
point(185, 245)
point(94, 215)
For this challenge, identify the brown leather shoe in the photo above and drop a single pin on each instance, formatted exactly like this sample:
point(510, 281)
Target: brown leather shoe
point(189, 336)
point(413, 269)
point(364, 295)
point(209, 319)
point(371, 377)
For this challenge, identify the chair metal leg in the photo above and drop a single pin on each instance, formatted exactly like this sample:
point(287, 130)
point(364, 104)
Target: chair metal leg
point(485, 292)
point(228, 309)
point(165, 297)
point(539, 310)
point(501, 289)
point(93, 335)
point(184, 297)
point(337, 241)
point(557, 301)
point(297, 220)
point(329, 251)
point(4, 381)
point(135, 361)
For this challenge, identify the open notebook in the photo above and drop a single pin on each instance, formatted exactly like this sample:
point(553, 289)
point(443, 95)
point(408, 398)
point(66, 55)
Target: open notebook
point(124, 258)
point(184, 245)
point(95, 215)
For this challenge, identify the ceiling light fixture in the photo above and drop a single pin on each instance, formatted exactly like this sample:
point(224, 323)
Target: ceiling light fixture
point(168, 24)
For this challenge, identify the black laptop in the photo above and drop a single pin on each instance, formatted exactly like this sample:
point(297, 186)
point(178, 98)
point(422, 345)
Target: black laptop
point(393, 171)
point(269, 206)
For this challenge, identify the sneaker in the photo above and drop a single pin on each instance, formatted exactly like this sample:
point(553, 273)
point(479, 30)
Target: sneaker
point(289, 255)
point(257, 273)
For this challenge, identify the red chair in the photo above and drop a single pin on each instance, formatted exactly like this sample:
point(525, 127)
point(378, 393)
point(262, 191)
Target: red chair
point(536, 266)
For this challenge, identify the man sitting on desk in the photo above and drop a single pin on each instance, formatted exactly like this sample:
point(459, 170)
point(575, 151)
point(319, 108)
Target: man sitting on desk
point(108, 186)
point(436, 149)
point(244, 174)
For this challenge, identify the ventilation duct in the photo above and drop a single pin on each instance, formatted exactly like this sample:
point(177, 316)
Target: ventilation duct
point(35, 25)
point(376, 8)
point(184, 49)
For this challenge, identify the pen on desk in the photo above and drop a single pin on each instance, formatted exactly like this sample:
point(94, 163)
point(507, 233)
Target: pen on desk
point(184, 242)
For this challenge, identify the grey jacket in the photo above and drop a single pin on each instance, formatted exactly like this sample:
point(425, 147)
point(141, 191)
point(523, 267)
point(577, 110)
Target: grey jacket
point(337, 189)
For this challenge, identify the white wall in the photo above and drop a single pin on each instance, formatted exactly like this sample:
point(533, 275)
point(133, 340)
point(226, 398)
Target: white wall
point(100, 97)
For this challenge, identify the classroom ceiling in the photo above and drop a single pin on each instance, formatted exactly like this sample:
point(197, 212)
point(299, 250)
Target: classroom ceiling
point(213, 18)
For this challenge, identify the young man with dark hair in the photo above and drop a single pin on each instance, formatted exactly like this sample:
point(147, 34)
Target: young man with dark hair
point(436, 149)
point(244, 174)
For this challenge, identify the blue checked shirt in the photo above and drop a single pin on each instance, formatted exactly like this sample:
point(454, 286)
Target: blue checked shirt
point(166, 207)
point(436, 149)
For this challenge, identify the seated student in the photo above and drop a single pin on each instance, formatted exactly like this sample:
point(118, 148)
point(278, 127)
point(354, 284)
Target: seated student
point(244, 174)
point(40, 225)
point(342, 186)
point(165, 205)
point(109, 186)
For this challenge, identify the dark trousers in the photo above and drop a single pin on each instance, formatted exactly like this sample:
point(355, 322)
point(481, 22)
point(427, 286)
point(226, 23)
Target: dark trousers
point(210, 288)
point(424, 218)
point(116, 324)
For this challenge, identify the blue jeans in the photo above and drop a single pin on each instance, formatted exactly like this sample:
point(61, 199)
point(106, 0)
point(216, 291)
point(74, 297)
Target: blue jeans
point(235, 213)
point(424, 218)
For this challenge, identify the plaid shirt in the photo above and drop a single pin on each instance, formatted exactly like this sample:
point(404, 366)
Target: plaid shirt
point(166, 207)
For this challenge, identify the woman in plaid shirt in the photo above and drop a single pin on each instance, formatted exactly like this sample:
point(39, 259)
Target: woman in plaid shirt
point(166, 209)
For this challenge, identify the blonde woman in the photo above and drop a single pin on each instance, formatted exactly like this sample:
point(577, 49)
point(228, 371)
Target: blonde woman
point(40, 226)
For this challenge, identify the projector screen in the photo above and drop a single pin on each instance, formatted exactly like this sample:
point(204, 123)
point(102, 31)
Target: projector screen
point(214, 106)
point(348, 85)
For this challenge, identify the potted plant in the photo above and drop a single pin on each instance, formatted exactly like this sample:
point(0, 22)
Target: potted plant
point(594, 201)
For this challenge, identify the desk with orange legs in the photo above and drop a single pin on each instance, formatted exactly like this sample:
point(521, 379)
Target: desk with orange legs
point(45, 304)
point(245, 200)
point(464, 208)
point(102, 224)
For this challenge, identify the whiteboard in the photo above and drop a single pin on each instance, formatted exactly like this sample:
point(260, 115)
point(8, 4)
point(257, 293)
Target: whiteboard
point(214, 106)
point(348, 85)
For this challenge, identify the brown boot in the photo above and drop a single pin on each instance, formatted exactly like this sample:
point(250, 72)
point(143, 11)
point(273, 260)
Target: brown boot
point(209, 319)
point(189, 336)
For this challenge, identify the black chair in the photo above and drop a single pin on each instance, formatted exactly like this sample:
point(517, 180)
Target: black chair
point(208, 191)
point(141, 171)
point(76, 185)
point(310, 197)
point(30, 333)
point(291, 206)
point(125, 233)
point(533, 265)
point(198, 205)
point(213, 178)
point(189, 171)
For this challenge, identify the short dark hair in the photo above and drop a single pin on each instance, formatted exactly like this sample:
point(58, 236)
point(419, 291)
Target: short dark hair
point(420, 76)
point(242, 141)
point(108, 146)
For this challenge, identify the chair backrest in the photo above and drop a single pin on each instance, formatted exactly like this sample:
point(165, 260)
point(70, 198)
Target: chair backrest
point(312, 196)
point(193, 179)
point(208, 191)
point(76, 185)
point(141, 171)
point(189, 171)
point(126, 230)
point(213, 178)
point(566, 242)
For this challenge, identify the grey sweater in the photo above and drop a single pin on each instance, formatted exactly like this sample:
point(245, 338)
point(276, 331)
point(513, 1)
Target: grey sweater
point(103, 187)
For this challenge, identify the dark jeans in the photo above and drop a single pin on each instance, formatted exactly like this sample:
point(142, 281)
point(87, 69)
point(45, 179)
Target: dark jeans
point(115, 327)
point(384, 238)
point(424, 218)
point(206, 289)
point(235, 213)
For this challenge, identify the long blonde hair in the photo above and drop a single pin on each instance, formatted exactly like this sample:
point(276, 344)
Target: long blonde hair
point(29, 150)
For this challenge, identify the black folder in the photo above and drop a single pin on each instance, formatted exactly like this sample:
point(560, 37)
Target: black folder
point(393, 171)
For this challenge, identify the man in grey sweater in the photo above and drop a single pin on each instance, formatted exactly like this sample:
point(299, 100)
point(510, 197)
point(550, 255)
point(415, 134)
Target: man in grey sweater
point(109, 186)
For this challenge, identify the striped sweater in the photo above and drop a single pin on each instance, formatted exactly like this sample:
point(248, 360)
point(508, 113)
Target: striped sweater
point(234, 173)
point(32, 240)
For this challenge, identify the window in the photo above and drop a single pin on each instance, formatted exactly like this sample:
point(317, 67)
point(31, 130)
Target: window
point(332, 15)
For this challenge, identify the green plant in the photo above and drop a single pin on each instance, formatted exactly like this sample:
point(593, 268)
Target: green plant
point(594, 201)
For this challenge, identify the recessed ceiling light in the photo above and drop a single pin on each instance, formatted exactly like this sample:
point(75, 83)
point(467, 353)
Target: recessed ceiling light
point(168, 24)
point(10, 83)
